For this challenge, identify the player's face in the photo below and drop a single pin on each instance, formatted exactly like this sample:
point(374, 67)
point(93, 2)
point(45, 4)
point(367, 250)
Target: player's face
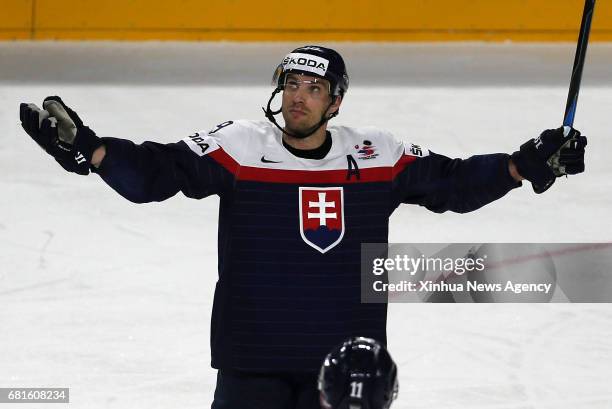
point(305, 100)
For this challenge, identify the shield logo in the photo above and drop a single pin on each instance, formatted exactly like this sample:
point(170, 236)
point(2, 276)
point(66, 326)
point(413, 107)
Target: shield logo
point(322, 216)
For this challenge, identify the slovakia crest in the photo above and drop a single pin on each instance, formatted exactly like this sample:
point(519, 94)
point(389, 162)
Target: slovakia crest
point(322, 216)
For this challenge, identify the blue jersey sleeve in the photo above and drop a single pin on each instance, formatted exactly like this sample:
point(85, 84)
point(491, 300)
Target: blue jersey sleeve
point(152, 172)
point(459, 185)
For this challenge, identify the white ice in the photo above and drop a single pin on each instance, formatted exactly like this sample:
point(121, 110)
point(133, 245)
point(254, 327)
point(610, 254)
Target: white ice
point(113, 299)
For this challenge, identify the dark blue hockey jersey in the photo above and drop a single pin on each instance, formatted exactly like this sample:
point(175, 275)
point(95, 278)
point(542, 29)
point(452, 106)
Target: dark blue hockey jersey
point(290, 228)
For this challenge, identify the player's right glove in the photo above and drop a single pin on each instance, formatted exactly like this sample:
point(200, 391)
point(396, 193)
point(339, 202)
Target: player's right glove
point(61, 133)
point(556, 152)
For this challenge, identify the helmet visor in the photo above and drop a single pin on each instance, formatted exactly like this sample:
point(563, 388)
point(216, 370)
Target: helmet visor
point(277, 74)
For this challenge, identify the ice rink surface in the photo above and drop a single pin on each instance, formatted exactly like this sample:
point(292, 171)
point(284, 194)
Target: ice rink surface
point(113, 299)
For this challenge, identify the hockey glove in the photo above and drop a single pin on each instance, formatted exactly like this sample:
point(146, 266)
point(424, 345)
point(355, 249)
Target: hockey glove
point(60, 132)
point(556, 152)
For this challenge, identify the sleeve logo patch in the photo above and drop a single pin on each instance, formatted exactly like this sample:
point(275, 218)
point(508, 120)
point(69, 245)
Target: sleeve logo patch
point(415, 150)
point(200, 145)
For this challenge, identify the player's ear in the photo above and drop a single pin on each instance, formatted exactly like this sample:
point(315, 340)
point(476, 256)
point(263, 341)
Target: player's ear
point(335, 106)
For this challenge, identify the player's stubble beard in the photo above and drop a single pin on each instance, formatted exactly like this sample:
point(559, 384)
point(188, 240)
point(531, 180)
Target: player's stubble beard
point(301, 129)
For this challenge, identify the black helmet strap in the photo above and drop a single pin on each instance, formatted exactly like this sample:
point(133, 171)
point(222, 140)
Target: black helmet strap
point(270, 115)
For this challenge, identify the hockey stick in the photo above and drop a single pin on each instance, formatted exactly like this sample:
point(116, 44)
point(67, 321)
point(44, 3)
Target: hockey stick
point(581, 48)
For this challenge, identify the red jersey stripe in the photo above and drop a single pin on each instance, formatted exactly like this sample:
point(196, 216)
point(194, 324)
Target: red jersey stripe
point(335, 176)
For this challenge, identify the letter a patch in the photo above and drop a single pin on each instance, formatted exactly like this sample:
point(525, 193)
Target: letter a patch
point(322, 216)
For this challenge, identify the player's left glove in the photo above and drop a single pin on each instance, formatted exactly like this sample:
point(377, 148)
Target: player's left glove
point(61, 133)
point(556, 152)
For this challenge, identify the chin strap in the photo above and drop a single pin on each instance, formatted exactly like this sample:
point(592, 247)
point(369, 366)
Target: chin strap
point(269, 113)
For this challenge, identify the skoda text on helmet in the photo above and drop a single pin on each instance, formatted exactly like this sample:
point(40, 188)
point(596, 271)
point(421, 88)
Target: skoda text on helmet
point(315, 61)
point(358, 374)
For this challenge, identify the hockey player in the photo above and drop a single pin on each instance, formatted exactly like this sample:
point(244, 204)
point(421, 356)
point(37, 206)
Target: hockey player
point(296, 202)
point(358, 374)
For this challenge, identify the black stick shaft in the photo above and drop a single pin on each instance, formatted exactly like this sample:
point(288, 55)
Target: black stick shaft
point(581, 48)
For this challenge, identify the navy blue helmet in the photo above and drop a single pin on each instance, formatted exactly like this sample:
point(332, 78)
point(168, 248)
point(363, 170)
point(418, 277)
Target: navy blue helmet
point(358, 374)
point(316, 61)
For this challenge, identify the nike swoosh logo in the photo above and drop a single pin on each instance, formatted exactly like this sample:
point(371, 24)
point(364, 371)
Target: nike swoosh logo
point(264, 160)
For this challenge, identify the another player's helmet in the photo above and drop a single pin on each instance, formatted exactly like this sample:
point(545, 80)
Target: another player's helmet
point(315, 61)
point(358, 374)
